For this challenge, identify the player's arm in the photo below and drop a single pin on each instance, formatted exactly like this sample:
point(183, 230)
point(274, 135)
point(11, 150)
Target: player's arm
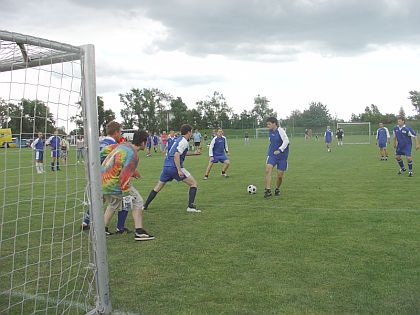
point(285, 139)
point(226, 145)
point(33, 144)
point(395, 140)
point(413, 134)
point(128, 170)
point(213, 141)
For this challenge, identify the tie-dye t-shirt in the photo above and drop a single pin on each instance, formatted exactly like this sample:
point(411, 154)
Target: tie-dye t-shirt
point(118, 168)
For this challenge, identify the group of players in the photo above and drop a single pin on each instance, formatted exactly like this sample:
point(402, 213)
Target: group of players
point(119, 166)
point(119, 163)
point(403, 143)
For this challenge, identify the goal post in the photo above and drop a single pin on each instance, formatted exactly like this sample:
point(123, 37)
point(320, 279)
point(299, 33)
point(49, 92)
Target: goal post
point(356, 132)
point(47, 263)
point(264, 132)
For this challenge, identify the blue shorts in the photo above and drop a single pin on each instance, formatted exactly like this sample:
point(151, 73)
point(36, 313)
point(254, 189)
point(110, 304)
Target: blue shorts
point(170, 173)
point(382, 145)
point(403, 151)
point(221, 159)
point(39, 155)
point(280, 160)
point(55, 153)
point(148, 145)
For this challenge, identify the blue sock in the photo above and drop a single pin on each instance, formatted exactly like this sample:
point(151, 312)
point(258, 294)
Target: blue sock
point(86, 219)
point(410, 166)
point(122, 216)
point(401, 164)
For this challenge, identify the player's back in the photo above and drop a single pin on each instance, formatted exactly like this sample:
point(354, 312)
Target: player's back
point(180, 145)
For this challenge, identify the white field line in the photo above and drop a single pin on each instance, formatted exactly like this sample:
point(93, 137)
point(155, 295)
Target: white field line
point(283, 207)
point(77, 305)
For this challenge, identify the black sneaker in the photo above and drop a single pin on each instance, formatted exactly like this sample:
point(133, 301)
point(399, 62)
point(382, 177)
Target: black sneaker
point(142, 235)
point(85, 227)
point(410, 174)
point(107, 231)
point(267, 194)
point(123, 231)
point(277, 192)
point(401, 171)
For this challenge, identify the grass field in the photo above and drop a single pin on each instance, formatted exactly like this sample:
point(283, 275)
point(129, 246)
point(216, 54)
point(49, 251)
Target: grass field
point(343, 238)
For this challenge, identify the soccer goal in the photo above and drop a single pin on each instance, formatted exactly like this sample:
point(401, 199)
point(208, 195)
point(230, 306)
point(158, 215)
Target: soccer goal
point(47, 264)
point(264, 132)
point(356, 133)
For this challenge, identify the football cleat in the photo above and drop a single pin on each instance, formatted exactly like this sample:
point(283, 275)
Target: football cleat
point(193, 209)
point(142, 235)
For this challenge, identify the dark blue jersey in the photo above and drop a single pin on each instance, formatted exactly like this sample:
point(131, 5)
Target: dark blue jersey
point(404, 135)
point(180, 145)
point(278, 141)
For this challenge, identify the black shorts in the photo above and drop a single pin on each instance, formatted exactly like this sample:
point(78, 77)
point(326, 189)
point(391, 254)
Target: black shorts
point(197, 144)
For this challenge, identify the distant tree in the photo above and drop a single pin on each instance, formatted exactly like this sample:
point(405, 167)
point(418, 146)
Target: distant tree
point(194, 118)
point(316, 115)
point(145, 108)
point(214, 111)
point(401, 112)
point(104, 115)
point(28, 116)
point(179, 110)
point(262, 110)
point(415, 100)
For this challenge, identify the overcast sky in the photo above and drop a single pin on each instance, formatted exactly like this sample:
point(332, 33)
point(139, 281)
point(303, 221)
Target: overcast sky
point(345, 54)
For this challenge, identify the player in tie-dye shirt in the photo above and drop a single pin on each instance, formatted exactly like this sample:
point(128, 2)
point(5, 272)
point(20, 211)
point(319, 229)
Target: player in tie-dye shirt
point(116, 172)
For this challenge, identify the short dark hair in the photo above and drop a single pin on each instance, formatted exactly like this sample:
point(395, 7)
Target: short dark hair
point(112, 127)
point(139, 137)
point(185, 129)
point(273, 120)
point(402, 118)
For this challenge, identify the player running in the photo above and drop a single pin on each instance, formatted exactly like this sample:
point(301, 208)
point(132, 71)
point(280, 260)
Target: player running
point(382, 138)
point(403, 144)
point(116, 172)
point(38, 145)
point(217, 153)
point(278, 152)
point(328, 135)
point(173, 168)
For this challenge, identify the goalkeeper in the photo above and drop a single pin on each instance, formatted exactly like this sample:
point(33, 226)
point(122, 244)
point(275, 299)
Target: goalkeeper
point(116, 172)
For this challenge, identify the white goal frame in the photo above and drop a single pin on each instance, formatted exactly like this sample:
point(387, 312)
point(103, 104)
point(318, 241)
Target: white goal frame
point(369, 135)
point(259, 130)
point(51, 52)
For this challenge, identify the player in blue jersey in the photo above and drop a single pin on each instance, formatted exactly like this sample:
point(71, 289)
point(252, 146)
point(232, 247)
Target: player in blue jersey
point(155, 142)
point(113, 131)
point(54, 141)
point(173, 168)
point(382, 138)
point(403, 144)
point(278, 152)
point(171, 140)
point(328, 136)
point(217, 153)
point(38, 145)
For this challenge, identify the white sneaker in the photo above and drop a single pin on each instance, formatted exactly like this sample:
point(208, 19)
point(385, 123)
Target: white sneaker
point(193, 209)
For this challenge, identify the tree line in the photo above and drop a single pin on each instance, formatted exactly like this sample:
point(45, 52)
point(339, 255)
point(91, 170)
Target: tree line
point(154, 110)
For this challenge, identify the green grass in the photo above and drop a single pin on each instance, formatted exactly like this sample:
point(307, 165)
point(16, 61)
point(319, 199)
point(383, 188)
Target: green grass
point(343, 238)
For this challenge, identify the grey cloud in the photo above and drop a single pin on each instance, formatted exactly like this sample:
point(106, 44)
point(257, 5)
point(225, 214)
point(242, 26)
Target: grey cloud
point(191, 80)
point(273, 29)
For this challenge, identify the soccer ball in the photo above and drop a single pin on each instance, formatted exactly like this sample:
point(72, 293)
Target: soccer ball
point(252, 189)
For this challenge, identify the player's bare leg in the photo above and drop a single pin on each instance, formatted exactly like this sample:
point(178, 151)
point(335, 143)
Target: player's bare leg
point(226, 165)
point(268, 171)
point(279, 181)
point(208, 169)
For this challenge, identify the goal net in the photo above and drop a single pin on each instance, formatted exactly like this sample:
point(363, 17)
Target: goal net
point(264, 132)
point(356, 133)
point(47, 264)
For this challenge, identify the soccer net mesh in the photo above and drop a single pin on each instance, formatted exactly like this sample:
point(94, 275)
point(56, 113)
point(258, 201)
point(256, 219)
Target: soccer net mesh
point(356, 133)
point(46, 261)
